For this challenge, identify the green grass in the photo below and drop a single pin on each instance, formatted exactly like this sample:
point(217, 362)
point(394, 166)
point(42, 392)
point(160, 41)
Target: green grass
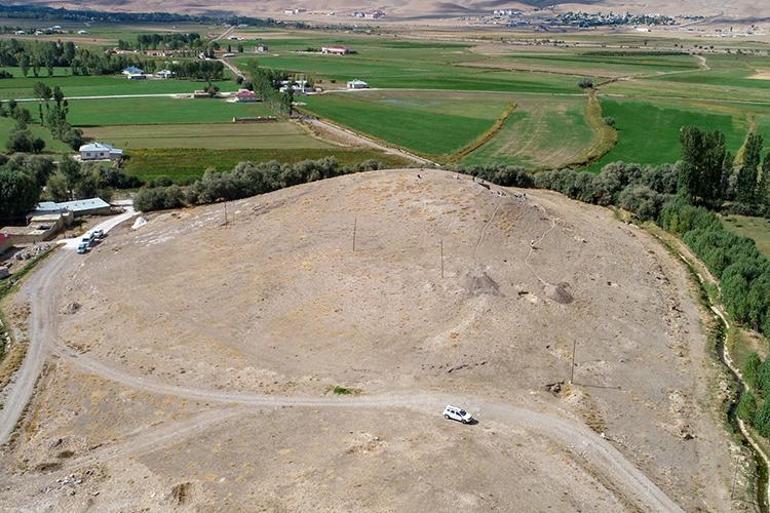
point(648, 133)
point(755, 228)
point(101, 85)
point(156, 111)
point(222, 136)
point(183, 165)
point(52, 145)
point(434, 124)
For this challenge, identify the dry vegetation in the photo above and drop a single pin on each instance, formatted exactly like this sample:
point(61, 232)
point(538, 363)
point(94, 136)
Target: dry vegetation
point(200, 358)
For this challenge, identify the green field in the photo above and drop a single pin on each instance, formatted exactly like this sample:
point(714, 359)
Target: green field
point(435, 123)
point(51, 145)
point(219, 136)
point(183, 165)
point(158, 111)
point(648, 133)
point(755, 228)
point(100, 85)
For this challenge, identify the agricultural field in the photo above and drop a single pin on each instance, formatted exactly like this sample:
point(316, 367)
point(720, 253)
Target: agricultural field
point(648, 132)
point(217, 136)
point(155, 111)
point(184, 165)
point(101, 85)
point(543, 132)
point(426, 122)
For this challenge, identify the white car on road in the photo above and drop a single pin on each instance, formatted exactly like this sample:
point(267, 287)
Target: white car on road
point(458, 414)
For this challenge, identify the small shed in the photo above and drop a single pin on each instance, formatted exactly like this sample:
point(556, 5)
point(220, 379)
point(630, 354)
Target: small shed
point(336, 50)
point(261, 48)
point(357, 84)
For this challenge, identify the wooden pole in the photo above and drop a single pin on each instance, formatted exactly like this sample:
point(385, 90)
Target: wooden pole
point(442, 258)
point(355, 225)
point(572, 369)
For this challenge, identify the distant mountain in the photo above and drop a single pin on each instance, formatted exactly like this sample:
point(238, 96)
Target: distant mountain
point(426, 9)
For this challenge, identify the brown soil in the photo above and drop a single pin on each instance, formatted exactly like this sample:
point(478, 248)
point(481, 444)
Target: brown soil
point(278, 302)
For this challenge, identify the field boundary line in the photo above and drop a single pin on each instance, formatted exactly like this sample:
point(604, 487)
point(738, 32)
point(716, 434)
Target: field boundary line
point(485, 137)
point(606, 136)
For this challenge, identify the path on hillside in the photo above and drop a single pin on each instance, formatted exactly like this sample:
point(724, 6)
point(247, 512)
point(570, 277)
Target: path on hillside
point(592, 451)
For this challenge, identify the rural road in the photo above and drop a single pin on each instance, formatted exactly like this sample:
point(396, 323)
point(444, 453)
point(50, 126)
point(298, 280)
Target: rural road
point(44, 289)
point(42, 325)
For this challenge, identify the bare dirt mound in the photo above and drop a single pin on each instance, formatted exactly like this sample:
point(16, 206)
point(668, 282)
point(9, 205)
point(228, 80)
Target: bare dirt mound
point(386, 283)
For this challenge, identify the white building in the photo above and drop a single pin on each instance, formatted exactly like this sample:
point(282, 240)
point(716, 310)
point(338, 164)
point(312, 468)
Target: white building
point(164, 74)
point(357, 84)
point(100, 151)
point(336, 50)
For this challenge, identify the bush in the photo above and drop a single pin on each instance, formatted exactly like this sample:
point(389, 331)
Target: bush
point(642, 201)
point(507, 176)
point(22, 140)
point(750, 370)
point(586, 83)
point(747, 408)
point(159, 198)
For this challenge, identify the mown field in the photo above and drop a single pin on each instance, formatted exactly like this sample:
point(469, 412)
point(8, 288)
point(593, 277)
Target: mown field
point(158, 111)
point(543, 132)
point(184, 165)
point(216, 136)
point(100, 85)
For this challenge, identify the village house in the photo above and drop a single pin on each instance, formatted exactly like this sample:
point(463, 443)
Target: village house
point(336, 50)
point(261, 48)
point(100, 151)
point(357, 84)
point(164, 74)
point(244, 96)
point(133, 70)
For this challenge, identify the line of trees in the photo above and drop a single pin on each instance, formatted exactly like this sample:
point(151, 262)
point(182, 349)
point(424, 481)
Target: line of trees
point(55, 116)
point(244, 180)
point(201, 70)
point(266, 82)
point(171, 41)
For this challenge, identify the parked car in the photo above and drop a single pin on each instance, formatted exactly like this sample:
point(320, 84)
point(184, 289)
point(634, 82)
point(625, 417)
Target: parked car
point(458, 414)
point(99, 234)
point(86, 239)
point(83, 248)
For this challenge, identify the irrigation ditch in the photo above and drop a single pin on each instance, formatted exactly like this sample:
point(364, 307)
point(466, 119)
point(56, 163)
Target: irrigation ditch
point(737, 384)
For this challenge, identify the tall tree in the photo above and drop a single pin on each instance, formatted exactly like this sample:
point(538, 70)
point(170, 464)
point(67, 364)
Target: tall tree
point(746, 182)
point(704, 155)
point(18, 193)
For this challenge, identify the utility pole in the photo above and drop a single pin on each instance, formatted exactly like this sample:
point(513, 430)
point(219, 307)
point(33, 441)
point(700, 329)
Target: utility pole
point(225, 213)
point(572, 368)
point(442, 258)
point(355, 225)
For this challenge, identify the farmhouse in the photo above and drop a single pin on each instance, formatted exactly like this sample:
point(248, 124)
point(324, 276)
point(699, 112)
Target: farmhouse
point(100, 151)
point(164, 74)
point(357, 84)
point(261, 48)
point(91, 206)
point(244, 96)
point(336, 50)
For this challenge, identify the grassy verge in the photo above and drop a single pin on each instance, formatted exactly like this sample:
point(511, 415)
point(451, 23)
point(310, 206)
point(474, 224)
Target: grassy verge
point(606, 136)
point(483, 138)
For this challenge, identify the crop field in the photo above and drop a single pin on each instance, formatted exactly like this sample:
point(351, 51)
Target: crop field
point(184, 165)
point(101, 85)
point(220, 136)
point(543, 132)
point(426, 122)
point(154, 111)
point(648, 133)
